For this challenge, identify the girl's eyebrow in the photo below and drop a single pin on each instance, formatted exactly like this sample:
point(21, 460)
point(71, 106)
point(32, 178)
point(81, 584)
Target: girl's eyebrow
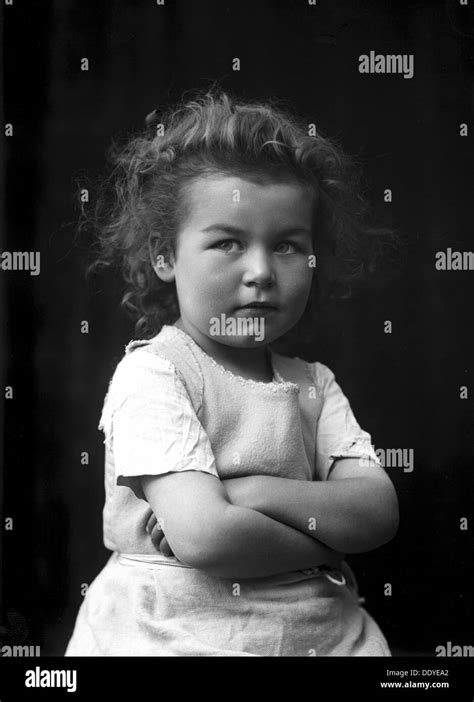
point(230, 229)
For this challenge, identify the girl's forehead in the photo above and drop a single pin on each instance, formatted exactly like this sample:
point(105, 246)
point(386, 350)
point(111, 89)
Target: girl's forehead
point(222, 181)
point(232, 199)
point(240, 190)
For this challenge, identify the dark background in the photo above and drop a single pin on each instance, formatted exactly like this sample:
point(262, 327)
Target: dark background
point(404, 387)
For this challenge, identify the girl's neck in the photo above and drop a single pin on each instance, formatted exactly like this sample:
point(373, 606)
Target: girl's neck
point(253, 364)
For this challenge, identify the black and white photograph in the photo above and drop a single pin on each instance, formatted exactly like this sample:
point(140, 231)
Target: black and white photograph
point(237, 358)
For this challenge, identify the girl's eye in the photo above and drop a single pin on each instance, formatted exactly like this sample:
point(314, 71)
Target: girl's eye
point(226, 245)
point(223, 245)
point(289, 243)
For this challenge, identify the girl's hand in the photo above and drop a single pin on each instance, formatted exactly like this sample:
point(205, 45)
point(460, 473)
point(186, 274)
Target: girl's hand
point(157, 536)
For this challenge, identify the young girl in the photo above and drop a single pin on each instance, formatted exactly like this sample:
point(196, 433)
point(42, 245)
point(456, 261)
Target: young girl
point(236, 477)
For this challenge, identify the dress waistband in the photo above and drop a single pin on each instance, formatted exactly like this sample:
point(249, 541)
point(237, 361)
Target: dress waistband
point(150, 559)
point(334, 575)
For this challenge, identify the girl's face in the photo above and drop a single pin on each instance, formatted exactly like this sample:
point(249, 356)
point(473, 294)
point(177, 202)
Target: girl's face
point(243, 243)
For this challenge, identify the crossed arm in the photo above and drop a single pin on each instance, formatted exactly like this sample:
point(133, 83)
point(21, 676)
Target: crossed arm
point(263, 525)
point(354, 511)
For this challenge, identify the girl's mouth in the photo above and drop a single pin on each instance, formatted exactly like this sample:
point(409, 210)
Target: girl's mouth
point(258, 305)
point(256, 310)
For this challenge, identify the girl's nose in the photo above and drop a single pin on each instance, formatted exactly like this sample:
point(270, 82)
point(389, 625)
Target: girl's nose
point(258, 270)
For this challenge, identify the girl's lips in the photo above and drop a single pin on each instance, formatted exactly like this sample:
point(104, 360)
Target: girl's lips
point(257, 310)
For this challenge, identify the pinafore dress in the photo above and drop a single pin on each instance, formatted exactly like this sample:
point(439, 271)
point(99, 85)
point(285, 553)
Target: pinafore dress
point(171, 406)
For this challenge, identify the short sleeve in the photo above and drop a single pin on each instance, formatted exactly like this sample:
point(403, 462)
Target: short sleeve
point(150, 423)
point(338, 434)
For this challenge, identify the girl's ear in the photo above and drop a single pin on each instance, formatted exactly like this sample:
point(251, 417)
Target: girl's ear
point(163, 265)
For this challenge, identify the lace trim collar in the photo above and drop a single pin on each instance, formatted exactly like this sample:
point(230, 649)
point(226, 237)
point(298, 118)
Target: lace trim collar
point(278, 383)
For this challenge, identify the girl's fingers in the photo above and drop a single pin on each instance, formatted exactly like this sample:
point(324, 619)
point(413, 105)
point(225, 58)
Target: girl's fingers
point(165, 548)
point(157, 537)
point(155, 532)
point(151, 523)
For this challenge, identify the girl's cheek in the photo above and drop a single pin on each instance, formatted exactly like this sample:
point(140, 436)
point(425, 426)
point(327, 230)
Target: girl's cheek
point(303, 274)
point(299, 287)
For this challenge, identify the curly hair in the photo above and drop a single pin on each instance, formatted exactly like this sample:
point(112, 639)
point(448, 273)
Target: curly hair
point(141, 203)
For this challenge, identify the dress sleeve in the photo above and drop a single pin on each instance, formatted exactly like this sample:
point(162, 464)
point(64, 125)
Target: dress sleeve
point(338, 434)
point(149, 421)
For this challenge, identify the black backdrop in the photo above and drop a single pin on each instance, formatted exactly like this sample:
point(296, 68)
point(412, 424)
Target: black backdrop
point(404, 387)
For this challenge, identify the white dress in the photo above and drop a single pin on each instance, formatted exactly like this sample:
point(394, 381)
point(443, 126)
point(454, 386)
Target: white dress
point(171, 407)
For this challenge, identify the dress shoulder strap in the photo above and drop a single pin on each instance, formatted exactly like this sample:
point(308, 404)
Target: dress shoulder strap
point(183, 360)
